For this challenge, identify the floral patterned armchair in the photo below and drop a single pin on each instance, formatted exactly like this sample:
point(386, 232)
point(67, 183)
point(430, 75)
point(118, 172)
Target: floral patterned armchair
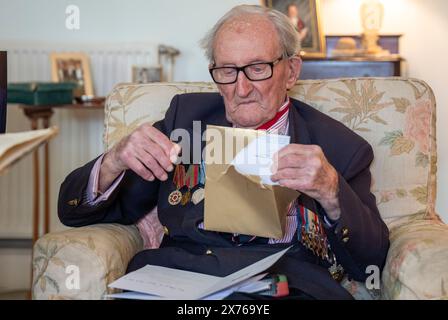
point(397, 116)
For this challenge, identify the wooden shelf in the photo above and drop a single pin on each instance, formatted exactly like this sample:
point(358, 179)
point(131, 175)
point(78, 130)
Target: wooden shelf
point(355, 66)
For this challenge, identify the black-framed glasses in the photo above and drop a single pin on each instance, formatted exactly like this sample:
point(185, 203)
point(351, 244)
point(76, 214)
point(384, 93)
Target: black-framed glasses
point(254, 72)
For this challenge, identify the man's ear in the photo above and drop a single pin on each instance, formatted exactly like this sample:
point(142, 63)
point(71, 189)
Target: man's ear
point(295, 65)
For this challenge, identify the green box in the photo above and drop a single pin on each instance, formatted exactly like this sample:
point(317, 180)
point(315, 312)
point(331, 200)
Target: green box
point(41, 93)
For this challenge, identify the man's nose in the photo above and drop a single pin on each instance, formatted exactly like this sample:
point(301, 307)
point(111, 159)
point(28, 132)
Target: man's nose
point(243, 85)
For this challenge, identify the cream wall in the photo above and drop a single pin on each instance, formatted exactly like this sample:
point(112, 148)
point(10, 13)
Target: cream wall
point(178, 23)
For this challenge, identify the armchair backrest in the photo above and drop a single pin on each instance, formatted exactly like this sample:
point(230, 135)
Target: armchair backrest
point(396, 116)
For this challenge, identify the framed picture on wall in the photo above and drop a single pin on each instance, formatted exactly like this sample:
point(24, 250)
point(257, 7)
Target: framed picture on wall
point(73, 67)
point(305, 16)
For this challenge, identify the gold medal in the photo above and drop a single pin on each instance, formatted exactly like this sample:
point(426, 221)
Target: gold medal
point(175, 197)
point(197, 196)
point(320, 248)
point(186, 198)
point(336, 271)
point(313, 243)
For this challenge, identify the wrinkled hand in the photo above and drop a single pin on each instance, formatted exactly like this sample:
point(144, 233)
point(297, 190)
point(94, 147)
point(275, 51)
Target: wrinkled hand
point(146, 151)
point(305, 168)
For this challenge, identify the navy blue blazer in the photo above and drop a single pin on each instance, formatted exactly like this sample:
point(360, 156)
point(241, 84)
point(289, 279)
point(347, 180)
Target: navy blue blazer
point(358, 239)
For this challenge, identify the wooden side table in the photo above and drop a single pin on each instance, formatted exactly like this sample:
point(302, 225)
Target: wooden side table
point(44, 113)
point(328, 68)
point(347, 67)
point(35, 114)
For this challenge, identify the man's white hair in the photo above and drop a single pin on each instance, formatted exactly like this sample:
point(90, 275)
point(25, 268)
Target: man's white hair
point(287, 33)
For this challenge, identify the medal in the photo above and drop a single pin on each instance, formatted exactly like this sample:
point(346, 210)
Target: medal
point(311, 233)
point(202, 173)
point(192, 176)
point(307, 237)
point(174, 197)
point(336, 271)
point(321, 239)
point(198, 196)
point(191, 181)
point(319, 246)
point(179, 176)
point(316, 235)
point(185, 198)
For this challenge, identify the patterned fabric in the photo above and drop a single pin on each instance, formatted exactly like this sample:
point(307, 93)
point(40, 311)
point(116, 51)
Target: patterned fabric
point(417, 263)
point(396, 116)
point(101, 252)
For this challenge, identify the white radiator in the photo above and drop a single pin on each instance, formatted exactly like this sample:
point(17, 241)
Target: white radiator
point(80, 137)
point(109, 63)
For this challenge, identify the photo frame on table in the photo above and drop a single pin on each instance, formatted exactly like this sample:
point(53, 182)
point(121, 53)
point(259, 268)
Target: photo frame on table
point(73, 67)
point(146, 74)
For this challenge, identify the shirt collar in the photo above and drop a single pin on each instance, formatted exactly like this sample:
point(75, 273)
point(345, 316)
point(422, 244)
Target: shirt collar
point(278, 124)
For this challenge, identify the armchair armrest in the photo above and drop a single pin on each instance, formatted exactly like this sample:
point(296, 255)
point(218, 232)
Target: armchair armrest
point(79, 263)
point(417, 263)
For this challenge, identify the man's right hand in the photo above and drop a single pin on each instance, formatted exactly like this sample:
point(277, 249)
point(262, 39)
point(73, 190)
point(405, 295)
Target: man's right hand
point(146, 151)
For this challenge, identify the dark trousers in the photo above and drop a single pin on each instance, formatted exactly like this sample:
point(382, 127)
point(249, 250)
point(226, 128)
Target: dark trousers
point(306, 279)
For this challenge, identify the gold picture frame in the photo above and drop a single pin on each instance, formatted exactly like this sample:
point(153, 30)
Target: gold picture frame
point(72, 67)
point(305, 15)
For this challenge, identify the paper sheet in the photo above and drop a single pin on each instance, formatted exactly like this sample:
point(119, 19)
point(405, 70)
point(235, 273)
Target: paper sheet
point(178, 284)
point(251, 285)
point(14, 146)
point(257, 158)
point(165, 282)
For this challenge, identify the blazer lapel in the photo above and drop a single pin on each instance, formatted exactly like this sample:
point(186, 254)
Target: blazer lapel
point(298, 129)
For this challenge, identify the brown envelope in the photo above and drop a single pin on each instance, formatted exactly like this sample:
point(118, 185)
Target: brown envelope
point(239, 203)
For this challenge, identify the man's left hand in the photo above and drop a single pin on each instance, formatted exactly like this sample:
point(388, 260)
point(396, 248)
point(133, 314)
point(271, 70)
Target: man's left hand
point(305, 168)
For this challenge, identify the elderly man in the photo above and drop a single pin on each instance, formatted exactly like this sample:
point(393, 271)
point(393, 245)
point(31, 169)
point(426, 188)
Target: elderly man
point(253, 53)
